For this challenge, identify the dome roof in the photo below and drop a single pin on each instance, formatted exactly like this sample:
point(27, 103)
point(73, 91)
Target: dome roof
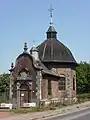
point(24, 55)
point(52, 50)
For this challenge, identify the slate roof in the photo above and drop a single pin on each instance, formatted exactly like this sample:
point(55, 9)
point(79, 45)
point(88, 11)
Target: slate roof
point(52, 50)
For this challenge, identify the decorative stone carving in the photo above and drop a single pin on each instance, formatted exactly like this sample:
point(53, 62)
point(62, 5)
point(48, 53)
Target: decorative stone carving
point(24, 76)
point(18, 85)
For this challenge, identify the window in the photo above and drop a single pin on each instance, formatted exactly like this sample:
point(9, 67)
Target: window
point(62, 83)
point(73, 84)
point(49, 87)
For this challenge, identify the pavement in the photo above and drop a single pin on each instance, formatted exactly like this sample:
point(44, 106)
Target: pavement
point(50, 114)
point(85, 117)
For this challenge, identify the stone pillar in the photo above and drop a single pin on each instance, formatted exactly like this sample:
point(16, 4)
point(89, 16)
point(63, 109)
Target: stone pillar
point(11, 88)
point(40, 85)
point(31, 92)
point(69, 83)
point(38, 88)
point(18, 95)
point(11, 84)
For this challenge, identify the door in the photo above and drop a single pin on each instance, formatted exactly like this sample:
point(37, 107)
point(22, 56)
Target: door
point(25, 96)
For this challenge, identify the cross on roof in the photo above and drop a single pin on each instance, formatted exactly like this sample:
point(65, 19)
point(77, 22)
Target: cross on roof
point(51, 10)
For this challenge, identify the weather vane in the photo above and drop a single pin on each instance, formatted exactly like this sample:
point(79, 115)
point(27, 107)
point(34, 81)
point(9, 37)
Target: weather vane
point(51, 14)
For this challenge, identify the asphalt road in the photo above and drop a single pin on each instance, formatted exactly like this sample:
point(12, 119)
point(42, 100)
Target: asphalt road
point(86, 117)
point(81, 115)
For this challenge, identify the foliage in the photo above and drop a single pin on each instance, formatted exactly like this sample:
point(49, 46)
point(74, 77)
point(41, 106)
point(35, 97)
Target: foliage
point(83, 77)
point(4, 82)
point(83, 97)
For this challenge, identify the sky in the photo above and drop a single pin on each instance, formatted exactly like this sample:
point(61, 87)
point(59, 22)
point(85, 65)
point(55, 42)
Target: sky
point(28, 20)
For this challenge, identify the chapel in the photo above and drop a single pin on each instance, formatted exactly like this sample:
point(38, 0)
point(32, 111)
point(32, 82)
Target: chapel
point(46, 72)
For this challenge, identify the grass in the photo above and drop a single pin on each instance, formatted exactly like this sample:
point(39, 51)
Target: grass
point(83, 97)
point(51, 106)
point(25, 110)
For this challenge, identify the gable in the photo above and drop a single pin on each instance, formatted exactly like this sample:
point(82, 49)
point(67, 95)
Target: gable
point(25, 62)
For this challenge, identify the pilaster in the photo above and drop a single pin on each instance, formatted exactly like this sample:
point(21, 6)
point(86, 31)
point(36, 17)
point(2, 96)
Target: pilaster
point(18, 95)
point(39, 87)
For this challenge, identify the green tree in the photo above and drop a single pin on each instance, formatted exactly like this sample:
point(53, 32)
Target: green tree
point(83, 77)
point(4, 82)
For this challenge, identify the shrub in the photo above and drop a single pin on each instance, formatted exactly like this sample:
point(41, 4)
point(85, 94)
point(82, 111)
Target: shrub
point(83, 97)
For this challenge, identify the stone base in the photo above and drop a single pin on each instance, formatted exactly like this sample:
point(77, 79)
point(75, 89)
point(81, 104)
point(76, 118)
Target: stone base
point(57, 100)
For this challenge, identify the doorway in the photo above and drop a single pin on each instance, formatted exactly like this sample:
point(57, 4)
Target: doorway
point(25, 94)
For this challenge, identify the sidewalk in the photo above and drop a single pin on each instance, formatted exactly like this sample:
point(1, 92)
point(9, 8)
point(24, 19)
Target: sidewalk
point(50, 113)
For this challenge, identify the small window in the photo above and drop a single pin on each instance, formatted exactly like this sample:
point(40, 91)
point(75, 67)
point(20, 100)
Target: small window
point(73, 84)
point(62, 83)
point(49, 87)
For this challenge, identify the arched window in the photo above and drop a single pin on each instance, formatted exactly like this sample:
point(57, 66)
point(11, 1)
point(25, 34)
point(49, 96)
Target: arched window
point(73, 83)
point(24, 86)
point(62, 83)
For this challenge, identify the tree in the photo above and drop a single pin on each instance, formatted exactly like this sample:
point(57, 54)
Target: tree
point(4, 82)
point(83, 77)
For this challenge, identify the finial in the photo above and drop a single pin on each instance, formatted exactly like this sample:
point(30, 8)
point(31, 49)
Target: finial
point(12, 65)
point(51, 14)
point(25, 47)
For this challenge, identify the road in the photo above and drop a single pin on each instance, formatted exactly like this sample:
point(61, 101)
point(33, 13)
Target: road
point(81, 115)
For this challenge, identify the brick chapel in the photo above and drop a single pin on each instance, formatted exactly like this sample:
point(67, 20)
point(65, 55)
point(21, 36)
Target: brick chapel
point(45, 73)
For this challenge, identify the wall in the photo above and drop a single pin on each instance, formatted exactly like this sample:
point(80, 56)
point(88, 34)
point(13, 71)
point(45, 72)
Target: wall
point(44, 89)
point(69, 74)
point(54, 86)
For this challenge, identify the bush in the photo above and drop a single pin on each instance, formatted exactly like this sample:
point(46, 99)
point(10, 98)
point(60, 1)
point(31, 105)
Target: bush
point(83, 97)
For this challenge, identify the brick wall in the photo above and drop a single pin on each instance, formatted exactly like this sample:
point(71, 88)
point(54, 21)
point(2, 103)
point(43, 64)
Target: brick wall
point(69, 74)
point(45, 89)
point(68, 93)
point(54, 86)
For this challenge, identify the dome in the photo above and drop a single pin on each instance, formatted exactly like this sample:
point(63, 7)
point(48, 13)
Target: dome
point(52, 50)
point(22, 58)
